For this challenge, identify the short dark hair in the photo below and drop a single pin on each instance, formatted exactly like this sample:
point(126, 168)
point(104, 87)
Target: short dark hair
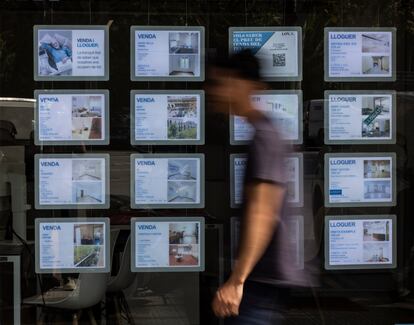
point(243, 63)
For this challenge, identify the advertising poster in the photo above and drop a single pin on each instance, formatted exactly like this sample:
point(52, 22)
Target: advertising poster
point(167, 117)
point(283, 107)
point(167, 180)
point(360, 54)
point(295, 236)
point(69, 245)
point(168, 244)
point(71, 52)
point(65, 181)
point(279, 50)
point(294, 179)
point(70, 117)
point(360, 242)
point(363, 179)
point(167, 53)
point(360, 117)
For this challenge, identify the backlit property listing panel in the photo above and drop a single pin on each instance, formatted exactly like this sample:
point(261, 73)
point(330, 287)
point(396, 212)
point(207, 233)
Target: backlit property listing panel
point(360, 54)
point(279, 50)
point(167, 53)
point(66, 181)
point(360, 242)
point(360, 117)
point(283, 107)
point(167, 180)
point(167, 117)
point(71, 52)
point(72, 245)
point(167, 244)
point(360, 179)
point(72, 117)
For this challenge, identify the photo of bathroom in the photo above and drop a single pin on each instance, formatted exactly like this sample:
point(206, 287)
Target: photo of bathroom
point(377, 190)
point(182, 191)
point(376, 42)
point(182, 117)
point(374, 65)
point(184, 53)
point(87, 117)
point(182, 169)
point(184, 244)
point(376, 118)
point(88, 243)
point(54, 52)
point(86, 169)
point(87, 192)
point(377, 253)
point(377, 168)
point(378, 230)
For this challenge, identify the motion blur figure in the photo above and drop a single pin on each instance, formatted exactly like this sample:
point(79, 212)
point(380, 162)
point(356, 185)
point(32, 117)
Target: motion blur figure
point(265, 268)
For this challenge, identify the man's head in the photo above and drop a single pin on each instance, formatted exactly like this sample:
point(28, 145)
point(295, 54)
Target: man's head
point(55, 44)
point(232, 80)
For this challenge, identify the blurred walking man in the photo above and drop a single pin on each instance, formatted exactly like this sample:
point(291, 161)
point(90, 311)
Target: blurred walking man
point(264, 267)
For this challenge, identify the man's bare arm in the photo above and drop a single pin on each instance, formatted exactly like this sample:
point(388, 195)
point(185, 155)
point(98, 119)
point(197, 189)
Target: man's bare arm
point(264, 203)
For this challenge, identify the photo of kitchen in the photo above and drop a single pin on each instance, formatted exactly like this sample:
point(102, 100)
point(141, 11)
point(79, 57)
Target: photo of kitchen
point(184, 243)
point(182, 117)
point(376, 118)
point(87, 121)
point(184, 53)
point(377, 168)
point(378, 230)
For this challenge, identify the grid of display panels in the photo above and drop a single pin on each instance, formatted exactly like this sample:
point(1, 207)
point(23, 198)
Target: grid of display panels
point(167, 53)
point(294, 179)
point(360, 242)
point(167, 244)
point(67, 52)
point(162, 181)
point(72, 245)
point(283, 107)
point(167, 117)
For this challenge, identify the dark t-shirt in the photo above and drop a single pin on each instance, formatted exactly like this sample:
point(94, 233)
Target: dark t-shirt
point(265, 163)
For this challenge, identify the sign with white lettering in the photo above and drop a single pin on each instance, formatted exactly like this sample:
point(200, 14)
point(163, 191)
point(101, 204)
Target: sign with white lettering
point(168, 117)
point(360, 179)
point(167, 53)
point(360, 242)
point(66, 52)
point(72, 245)
point(167, 244)
point(279, 50)
point(360, 54)
point(66, 181)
